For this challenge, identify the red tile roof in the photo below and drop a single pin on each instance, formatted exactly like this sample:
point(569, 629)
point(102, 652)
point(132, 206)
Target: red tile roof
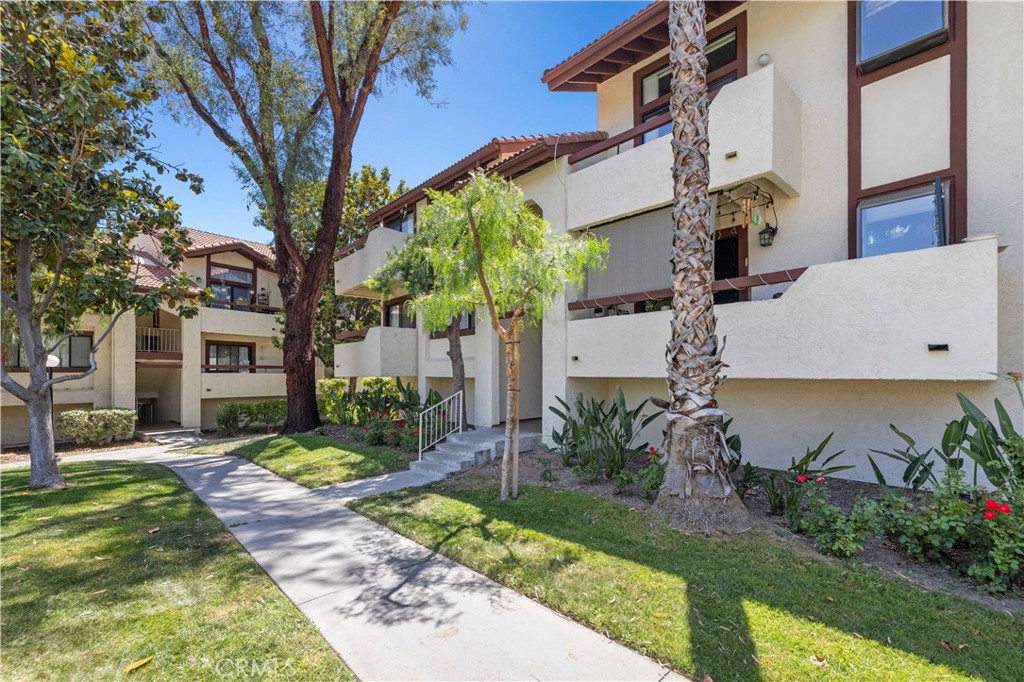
point(151, 274)
point(490, 157)
point(202, 240)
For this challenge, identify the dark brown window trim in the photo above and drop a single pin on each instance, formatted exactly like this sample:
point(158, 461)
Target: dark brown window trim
point(57, 370)
point(739, 23)
point(207, 367)
point(462, 332)
point(956, 174)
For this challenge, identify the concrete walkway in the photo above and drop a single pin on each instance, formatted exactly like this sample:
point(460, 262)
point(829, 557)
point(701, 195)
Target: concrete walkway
point(391, 608)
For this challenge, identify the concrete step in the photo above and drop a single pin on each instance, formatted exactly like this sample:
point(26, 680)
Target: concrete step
point(459, 460)
point(494, 440)
point(477, 454)
point(170, 436)
point(426, 466)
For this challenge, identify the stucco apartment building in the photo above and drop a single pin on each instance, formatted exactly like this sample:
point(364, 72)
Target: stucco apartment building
point(169, 369)
point(866, 164)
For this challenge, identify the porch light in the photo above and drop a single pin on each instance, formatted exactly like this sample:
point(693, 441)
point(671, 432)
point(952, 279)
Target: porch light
point(767, 235)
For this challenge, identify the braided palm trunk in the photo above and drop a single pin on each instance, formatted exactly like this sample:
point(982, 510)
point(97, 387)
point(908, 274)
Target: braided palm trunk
point(697, 494)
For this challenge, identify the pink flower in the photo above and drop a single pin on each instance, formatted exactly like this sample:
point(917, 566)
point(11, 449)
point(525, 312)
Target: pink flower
point(802, 478)
point(989, 514)
point(819, 479)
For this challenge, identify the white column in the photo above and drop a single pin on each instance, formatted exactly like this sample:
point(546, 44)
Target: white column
point(192, 358)
point(487, 384)
point(122, 357)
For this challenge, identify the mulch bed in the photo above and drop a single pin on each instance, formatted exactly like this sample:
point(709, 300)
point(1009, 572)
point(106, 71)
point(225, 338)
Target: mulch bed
point(20, 454)
point(544, 468)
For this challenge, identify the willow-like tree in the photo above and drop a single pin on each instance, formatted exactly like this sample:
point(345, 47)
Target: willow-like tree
point(78, 187)
point(438, 305)
point(284, 86)
point(697, 494)
point(492, 250)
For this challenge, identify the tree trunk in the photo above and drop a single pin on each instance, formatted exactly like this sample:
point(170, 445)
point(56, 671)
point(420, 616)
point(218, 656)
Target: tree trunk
point(510, 454)
point(300, 366)
point(696, 494)
point(458, 366)
point(42, 459)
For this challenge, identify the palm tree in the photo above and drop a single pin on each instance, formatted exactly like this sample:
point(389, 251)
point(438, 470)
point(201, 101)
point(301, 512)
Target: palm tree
point(697, 494)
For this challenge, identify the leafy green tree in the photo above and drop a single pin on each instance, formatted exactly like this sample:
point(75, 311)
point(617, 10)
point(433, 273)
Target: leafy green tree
point(283, 86)
point(78, 188)
point(489, 248)
point(366, 191)
point(414, 266)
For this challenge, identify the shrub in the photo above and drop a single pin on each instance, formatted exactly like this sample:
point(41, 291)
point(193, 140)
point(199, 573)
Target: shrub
point(652, 474)
point(96, 427)
point(270, 414)
point(834, 532)
point(229, 418)
point(336, 404)
point(785, 489)
point(598, 438)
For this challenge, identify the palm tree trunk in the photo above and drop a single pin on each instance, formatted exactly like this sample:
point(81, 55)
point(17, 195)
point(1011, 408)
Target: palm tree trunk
point(696, 494)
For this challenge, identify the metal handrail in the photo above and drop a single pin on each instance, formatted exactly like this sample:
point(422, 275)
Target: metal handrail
point(439, 421)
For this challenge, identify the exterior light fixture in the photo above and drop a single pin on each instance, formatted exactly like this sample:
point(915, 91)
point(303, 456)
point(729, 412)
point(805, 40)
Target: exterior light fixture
point(767, 235)
point(764, 59)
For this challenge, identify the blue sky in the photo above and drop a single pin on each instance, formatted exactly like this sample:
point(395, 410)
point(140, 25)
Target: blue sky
point(493, 89)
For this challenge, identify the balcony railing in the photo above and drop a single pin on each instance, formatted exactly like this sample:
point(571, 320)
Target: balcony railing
point(744, 283)
point(244, 369)
point(244, 305)
point(157, 340)
point(630, 136)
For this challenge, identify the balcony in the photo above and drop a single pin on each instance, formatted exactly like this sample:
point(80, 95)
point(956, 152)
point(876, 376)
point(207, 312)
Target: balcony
point(239, 321)
point(376, 352)
point(360, 260)
point(920, 315)
point(249, 381)
point(154, 343)
point(754, 131)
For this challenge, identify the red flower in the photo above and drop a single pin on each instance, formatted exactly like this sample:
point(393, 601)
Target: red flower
point(1004, 509)
point(802, 478)
point(392, 433)
point(991, 504)
point(819, 479)
point(989, 514)
point(417, 432)
point(367, 429)
point(653, 450)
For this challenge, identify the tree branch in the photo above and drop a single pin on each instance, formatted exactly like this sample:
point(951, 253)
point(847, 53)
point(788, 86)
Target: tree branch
point(92, 354)
point(229, 85)
point(325, 48)
point(52, 289)
point(483, 279)
point(13, 387)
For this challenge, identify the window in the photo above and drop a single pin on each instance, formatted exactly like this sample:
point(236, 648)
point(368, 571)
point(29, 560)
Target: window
point(403, 223)
point(399, 315)
point(231, 286)
point(468, 321)
point(891, 30)
point(725, 56)
point(905, 220)
point(232, 356)
point(73, 352)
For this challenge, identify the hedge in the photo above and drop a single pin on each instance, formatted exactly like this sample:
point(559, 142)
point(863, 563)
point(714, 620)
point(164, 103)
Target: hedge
point(96, 427)
point(266, 414)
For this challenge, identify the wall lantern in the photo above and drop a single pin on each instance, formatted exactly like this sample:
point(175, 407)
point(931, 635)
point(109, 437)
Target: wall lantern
point(767, 235)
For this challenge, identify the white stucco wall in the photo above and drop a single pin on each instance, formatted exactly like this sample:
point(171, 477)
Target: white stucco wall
point(352, 271)
point(384, 352)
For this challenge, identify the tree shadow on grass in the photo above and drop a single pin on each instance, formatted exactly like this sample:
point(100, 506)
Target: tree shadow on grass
point(735, 594)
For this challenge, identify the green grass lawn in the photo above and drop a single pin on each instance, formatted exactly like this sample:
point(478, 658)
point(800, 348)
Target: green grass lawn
point(752, 607)
point(309, 460)
point(89, 586)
